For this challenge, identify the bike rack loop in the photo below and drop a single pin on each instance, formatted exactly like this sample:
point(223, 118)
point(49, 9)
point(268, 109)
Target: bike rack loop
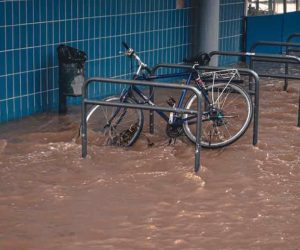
point(278, 44)
point(291, 36)
point(281, 58)
point(241, 71)
point(100, 80)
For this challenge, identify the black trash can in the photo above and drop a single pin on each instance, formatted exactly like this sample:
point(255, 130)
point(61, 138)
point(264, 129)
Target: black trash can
point(71, 73)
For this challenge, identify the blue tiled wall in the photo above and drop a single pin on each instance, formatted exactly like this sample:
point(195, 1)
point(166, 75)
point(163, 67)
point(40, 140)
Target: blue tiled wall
point(31, 30)
point(231, 28)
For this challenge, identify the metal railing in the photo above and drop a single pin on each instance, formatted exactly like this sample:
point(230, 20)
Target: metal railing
point(289, 47)
point(273, 43)
point(262, 57)
point(99, 80)
point(291, 36)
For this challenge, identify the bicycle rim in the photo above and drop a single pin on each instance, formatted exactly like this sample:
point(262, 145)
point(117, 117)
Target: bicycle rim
point(229, 119)
point(113, 125)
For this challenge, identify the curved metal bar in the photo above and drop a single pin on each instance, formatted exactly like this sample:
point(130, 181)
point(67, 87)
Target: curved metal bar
point(280, 58)
point(287, 45)
point(291, 36)
point(100, 80)
point(299, 111)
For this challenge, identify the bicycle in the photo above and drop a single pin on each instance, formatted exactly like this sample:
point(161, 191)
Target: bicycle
point(227, 109)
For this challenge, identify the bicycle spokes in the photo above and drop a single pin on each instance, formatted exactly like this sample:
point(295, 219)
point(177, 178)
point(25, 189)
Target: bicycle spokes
point(117, 126)
point(225, 119)
point(120, 139)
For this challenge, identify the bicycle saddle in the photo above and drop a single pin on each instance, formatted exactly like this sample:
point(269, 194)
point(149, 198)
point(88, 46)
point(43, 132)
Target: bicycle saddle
point(201, 58)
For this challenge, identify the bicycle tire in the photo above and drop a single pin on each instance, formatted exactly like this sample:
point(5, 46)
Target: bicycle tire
point(126, 123)
point(215, 131)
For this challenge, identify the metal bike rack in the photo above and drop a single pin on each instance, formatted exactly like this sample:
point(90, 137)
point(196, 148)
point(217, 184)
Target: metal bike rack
point(242, 71)
point(290, 37)
point(288, 49)
point(86, 101)
point(273, 43)
point(263, 57)
point(266, 58)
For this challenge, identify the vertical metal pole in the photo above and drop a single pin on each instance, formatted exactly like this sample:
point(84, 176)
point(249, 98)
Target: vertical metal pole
point(151, 117)
point(286, 71)
point(284, 6)
point(299, 109)
point(270, 6)
point(198, 135)
point(83, 123)
point(250, 77)
point(257, 5)
point(256, 111)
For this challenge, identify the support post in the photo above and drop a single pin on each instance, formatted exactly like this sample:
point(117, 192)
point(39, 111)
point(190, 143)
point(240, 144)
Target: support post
point(83, 129)
point(151, 117)
point(284, 6)
point(299, 109)
point(198, 136)
point(286, 72)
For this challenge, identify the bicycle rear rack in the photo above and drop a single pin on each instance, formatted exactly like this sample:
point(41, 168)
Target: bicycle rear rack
point(86, 101)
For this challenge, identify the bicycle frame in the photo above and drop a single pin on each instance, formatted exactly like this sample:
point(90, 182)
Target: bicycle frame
point(188, 75)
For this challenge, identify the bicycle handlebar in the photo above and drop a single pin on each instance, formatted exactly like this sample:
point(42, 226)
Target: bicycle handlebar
point(131, 53)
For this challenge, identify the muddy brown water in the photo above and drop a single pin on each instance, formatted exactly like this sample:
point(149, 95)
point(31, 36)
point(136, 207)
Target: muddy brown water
point(245, 197)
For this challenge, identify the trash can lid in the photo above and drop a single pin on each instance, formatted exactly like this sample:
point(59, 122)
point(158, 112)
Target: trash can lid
point(69, 54)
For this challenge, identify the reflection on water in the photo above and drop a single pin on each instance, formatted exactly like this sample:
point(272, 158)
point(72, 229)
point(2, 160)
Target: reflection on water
point(148, 197)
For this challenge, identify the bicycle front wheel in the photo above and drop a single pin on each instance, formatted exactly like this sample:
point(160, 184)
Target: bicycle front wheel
point(225, 120)
point(115, 125)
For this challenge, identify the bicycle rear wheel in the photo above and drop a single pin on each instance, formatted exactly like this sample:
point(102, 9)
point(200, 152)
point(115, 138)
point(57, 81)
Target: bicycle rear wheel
point(226, 120)
point(116, 125)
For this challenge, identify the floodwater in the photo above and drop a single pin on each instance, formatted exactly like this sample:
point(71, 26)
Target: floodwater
point(147, 197)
